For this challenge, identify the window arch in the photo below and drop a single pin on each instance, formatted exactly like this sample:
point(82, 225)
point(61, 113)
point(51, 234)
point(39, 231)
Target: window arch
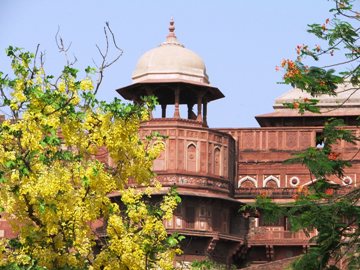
point(271, 181)
point(243, 181)
point(217, 161)
point(191, 157)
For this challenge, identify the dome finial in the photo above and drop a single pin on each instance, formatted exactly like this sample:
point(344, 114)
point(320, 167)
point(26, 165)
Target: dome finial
point(171, 37)
point(171, 28)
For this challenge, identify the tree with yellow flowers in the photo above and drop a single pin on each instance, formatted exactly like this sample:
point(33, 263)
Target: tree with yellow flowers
point(52, 189)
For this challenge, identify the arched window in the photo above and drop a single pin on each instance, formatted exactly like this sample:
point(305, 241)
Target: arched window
point(247, 182)
point(271, 182)
point(217, 161)
point(191, 158)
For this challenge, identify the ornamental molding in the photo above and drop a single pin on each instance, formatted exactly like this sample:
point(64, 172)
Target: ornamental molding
point(251, 179)
point(347, 180)
point(297, 181)
point(271, 178)
point(315, 180)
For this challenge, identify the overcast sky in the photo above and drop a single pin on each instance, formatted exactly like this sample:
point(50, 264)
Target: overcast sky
point(240, 41)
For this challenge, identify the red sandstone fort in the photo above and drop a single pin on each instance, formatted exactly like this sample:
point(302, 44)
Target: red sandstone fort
point(219, 170)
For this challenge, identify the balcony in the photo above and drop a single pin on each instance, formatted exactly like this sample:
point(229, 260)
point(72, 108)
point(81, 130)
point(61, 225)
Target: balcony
point(278, 236)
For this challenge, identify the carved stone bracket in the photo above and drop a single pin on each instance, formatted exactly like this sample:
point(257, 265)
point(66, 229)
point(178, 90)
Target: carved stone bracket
point(305, 249)
point(212, 244)
point(237, 249)
point(270, 252)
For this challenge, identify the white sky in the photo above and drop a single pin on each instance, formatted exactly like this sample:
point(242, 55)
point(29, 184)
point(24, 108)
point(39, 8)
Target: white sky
point(240, 41)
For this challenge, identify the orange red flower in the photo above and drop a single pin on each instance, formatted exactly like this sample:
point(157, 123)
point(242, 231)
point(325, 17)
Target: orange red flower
point(291, 69)
point(333, 156)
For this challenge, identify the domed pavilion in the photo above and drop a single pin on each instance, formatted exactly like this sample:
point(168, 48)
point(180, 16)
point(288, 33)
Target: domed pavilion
point(175, 75)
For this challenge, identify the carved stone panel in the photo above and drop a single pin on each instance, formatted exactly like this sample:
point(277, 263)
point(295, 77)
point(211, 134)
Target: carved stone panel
point(172, 155)
point(272, 140)
point(304, 140)
point(181, 155)
point(203, 156)
point(291, 140)
point(210, 158)
point(248, 140)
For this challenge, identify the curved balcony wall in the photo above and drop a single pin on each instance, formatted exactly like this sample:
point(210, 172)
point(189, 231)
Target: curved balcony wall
point(196, 159)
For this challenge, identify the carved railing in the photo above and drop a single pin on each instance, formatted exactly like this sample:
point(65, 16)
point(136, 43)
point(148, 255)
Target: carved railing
point(272, 236)
point(171, 121)
point(213, 234)
point(287, 193)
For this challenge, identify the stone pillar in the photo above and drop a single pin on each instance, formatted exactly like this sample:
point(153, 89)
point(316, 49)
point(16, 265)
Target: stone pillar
point(199, 102)
point(191, 114)
point(163, 110)
point(190, 106)
point(205, 113)
point(150, 92)
point(177, 100)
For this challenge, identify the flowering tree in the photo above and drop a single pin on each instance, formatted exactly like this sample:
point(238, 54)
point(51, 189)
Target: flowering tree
point(53, 190)
point(336, 218)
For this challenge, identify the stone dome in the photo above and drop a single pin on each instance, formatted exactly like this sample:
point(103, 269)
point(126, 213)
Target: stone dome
point(172, 62)
point(347, 96)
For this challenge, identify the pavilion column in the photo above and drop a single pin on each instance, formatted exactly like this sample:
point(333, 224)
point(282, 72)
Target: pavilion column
point(205, 113)
point(149, 92)
point(190, 110)
point(199, 102)
point(163, 110)
point(177, 100)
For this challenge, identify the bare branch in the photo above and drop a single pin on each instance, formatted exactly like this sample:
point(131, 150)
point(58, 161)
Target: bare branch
point(63, 49)
point(104, 56)
point(355, 89)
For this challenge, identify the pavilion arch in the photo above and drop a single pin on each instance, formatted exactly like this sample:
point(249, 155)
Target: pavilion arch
point(247, 178)
point(271, 178)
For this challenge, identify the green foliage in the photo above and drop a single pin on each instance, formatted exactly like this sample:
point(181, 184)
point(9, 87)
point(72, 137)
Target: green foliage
point(209, 265)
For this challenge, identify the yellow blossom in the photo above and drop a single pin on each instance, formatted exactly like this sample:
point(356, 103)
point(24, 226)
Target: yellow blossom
point(86, 84)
